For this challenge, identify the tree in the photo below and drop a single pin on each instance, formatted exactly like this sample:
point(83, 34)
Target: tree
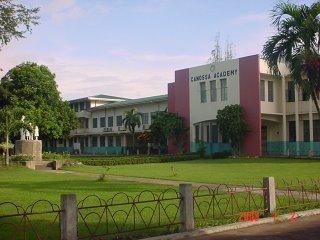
point(168, 125)
point(10, 123)
point(297, 44)
point(216, 54)
point(33, 89)
point(231, 124)
point(15, 21)
point(131, 121)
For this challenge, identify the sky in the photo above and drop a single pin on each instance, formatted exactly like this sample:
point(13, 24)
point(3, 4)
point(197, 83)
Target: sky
point(131, 48)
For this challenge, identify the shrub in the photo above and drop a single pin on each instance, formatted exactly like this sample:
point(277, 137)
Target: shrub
point(135, 159)
point(57, 156)
point(21, 158)
point(219, 155)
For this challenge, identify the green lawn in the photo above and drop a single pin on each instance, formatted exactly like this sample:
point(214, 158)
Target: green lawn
point(231, 170)
point(23, 187)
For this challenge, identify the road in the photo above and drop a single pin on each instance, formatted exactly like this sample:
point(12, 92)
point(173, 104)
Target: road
point(307, 228)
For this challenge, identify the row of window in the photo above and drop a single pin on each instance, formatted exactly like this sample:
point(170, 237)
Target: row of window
point(211, 136)
point(263, 92)
point(213, 91)
point(106, 142)
point(79, 106)
point(119, 121)
point(306, 131)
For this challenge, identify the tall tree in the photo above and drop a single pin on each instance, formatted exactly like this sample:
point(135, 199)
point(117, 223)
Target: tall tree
point(33, 89)
point(131, 121)
point(297, 44)
point(15, 21)
point(231, 124)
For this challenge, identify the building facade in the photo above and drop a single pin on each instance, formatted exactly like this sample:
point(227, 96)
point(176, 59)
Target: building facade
point(281, 118)
point(101, 129)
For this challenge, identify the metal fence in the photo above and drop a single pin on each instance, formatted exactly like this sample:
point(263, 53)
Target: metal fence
point(149, 213)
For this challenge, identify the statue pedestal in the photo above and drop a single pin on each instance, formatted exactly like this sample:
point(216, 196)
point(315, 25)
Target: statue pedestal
point(29, 147)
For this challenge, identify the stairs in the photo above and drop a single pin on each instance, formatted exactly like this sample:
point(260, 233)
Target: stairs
point(44, 165)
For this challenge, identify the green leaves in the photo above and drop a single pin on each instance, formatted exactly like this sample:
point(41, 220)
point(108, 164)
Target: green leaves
point(231, 124)
point(32, 89)
point(132, 120)
point(15, 20)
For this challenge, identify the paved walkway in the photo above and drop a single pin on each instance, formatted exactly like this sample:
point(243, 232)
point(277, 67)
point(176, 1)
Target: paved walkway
point(235, 188)
point(307, 228)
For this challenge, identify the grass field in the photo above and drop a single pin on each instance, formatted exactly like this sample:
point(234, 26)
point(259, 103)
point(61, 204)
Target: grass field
point(231, 170)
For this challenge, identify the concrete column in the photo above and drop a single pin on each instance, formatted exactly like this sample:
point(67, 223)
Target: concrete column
point(68, 217)
point(296, 110)
point(311, 127)
point(269, 194)
point(284, 116)
point(186, 207)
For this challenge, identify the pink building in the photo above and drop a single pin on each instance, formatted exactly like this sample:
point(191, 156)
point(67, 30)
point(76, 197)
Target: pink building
point(280, 119)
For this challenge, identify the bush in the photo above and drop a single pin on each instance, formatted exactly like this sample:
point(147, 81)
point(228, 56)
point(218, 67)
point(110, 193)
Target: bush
point(219, 155)
point(136, 159)
point(21, 158)
point(55, 156)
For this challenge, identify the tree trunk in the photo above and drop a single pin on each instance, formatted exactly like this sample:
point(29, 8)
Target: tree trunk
point(7, 149)
point(133, 143)
point(315, 100)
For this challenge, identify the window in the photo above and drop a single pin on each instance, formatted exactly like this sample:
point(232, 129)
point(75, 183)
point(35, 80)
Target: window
point(306, 131)
point(86, 123)
point(81, 106)
point(291, 96)
point(119, 121)
point(94, 141)
point(102, 141)
point(197, 132)
point(214, 133)
point(270, 91)
point(110, 141)
point(144, 118)
point(95, 122)
point(223, 83)
point(262, 91)
point(203, 94)
point(316, 130)
point(213, 91)
point(86, 141)
point(102, 122)
point(110, 121)
point(292, 131)
point(76, 107)
point(118, 141)
point(208, 134)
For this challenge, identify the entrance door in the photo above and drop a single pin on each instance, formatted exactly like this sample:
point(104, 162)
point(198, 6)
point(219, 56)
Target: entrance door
point(264, 139)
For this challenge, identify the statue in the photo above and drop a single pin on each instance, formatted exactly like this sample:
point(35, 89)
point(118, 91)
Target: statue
point(36, 132)
point(22, 131)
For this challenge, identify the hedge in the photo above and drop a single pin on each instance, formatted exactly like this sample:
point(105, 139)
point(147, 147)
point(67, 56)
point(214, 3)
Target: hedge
point(122, 160)
point(55, 156)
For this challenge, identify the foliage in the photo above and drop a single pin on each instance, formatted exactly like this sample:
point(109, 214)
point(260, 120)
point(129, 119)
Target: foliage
point(101, 177)
point(168, 125)
point(5, 145)
point(201, 148)
point(57, 156)
point(15, 20)
point(216, 54)
point(297, 44)
point(33, 89)
point(131, 121)
point(10, 124)
point(144, 137)
point(220, 155)
point(21, 158)
point(232, 125)
point(132, 159)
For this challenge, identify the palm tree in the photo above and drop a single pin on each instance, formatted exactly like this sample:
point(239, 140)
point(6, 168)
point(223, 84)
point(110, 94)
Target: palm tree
point(297, 44)
point(131, 121)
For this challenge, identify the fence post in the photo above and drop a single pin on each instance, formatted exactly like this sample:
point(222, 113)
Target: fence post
point(269, 195)
point(68, 217)
point(186, 207)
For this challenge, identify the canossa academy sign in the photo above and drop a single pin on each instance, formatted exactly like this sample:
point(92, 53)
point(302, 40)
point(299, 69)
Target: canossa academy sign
point(214, 74)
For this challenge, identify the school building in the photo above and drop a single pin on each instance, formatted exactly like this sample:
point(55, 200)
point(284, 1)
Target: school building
point(282, 120)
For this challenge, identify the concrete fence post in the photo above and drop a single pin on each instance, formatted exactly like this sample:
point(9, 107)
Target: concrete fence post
point(269, 194)
point(186, 207)
point(68, 217)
